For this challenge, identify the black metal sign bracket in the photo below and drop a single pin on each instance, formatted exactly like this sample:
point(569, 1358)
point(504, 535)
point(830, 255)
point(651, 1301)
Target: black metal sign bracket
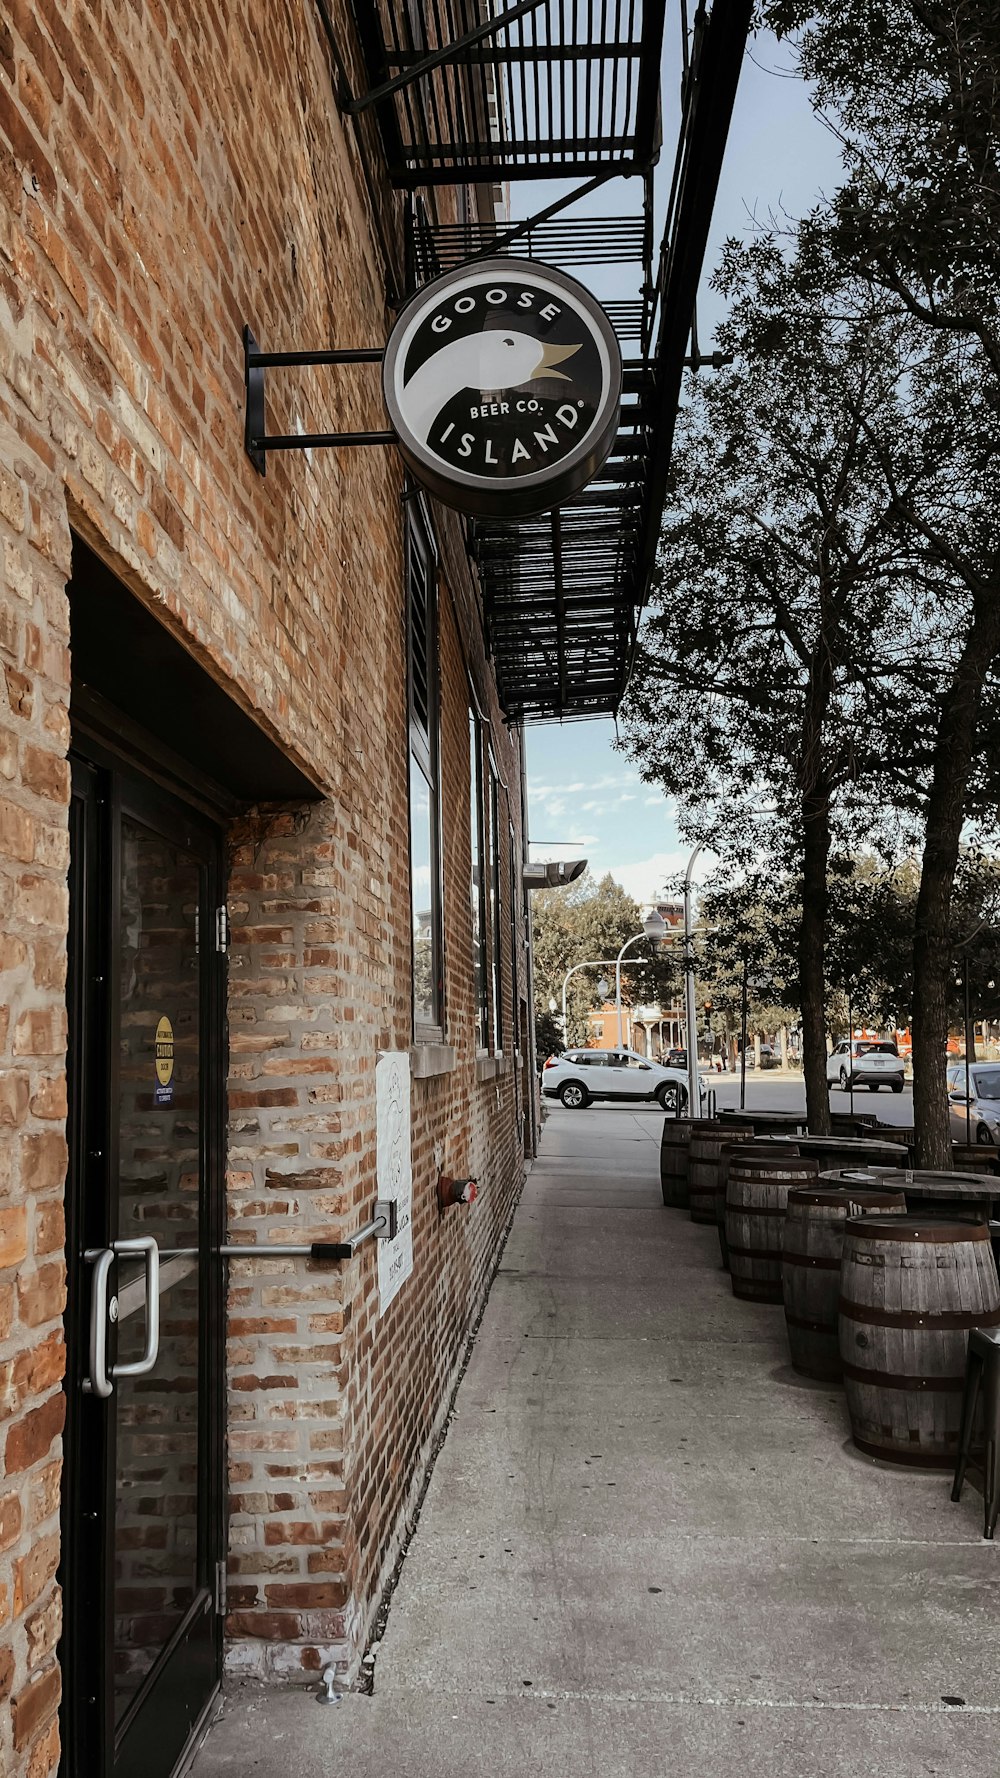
point(256, 440)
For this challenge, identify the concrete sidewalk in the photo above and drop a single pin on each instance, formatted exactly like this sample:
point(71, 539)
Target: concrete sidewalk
point(647, 1547)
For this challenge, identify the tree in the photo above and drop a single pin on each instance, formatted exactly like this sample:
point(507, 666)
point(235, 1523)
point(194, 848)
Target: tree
point(749, 919)
point(868, 948)
point(787, 639)
point(588, 921)
point(913, 90)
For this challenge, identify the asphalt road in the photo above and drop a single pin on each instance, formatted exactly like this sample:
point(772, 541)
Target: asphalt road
point(767, 1094)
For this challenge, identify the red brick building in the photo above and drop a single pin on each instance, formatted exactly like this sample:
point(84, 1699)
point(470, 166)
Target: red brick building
point(264, 933)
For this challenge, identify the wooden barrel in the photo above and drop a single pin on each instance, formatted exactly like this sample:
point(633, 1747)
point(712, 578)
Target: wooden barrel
point(733, 1145)
point(975, 1157)
point(904, 1134)
point(810, 1267)
point(852, 1123)
point(674, 1145)
point(852, 1151)
point(767, 1123)
point(707, 1138)
point(911, 1288)
point(760, 1180)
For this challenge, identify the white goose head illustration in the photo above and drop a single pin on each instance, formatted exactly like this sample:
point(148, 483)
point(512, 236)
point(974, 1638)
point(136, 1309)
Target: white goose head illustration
point(499, 359)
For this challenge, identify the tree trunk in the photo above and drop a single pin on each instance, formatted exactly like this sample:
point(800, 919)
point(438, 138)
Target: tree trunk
point(812, 974)
point(953, 754)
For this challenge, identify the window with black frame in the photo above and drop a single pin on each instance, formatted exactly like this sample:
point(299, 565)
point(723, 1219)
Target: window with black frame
point(515, 987)
point(425, 836)
point(478, 883)
point(494, 881)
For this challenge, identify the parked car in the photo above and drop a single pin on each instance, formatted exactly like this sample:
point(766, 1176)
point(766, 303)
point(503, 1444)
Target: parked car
point(676, 1059)
point(578, 1076)
point(978, 1119)
point(865, 1062)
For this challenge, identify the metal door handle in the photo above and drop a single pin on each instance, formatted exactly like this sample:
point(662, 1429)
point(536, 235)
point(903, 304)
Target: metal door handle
point(100, 1381)
point(146, 1245)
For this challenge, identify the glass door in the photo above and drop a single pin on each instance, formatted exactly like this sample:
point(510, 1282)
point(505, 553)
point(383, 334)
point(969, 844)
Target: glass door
point(144, 1518)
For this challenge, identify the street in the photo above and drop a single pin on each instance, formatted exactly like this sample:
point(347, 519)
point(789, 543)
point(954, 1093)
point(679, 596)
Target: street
point(764, 1092)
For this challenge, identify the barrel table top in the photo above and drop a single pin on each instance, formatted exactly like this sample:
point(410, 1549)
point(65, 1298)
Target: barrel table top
point(850, 1146)
point(779, 1121)
point(845, 1149)
point(970, 1191)
point(919, 1183)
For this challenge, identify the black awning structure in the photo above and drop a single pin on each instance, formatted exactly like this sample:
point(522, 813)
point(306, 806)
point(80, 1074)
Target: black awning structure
point(474, 92)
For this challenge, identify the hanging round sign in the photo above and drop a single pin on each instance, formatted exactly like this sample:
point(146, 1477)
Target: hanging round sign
point(503, 381)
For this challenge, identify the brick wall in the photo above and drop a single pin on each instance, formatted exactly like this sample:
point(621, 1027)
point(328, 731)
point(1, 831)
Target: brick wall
point(334, 1411)
point(165, 175)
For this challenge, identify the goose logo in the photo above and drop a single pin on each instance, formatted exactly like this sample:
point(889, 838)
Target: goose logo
point(503, 382)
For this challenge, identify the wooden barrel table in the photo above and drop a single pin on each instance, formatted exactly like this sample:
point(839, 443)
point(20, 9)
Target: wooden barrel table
point(911, 1288)
point(975, 1157)
point(852, 1123)
point(707, 1138)
point(969, 1196)
point(767, 1123)
point(812, 1249)
point(760, 1179)
point(852, 1151)
point(903, 1134)
point(674, 1145)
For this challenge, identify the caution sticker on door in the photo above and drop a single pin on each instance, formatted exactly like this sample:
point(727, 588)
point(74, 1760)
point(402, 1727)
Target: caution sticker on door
point(163, 1092)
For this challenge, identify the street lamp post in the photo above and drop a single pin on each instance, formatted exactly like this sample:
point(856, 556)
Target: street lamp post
point(850, 1048)
point(602, 987)
point(743, 1035)
point(967, 1046)
point(689, 1000)
point(654, 926)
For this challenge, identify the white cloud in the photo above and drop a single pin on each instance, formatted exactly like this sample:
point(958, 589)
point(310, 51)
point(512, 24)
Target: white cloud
point(539, 793)
point(645, 880)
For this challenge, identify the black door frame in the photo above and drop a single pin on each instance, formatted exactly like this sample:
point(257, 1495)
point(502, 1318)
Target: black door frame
point(109, 784)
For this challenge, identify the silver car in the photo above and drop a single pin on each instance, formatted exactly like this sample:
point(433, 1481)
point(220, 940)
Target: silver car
point(978, 1119)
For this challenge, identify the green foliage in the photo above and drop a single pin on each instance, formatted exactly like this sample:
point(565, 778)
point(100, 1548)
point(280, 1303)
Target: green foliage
point(589, 921)
point(786, 572)
point(869, 949)
point(912, 88)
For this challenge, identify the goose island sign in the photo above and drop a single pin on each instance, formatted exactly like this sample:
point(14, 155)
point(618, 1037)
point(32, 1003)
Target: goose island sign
point(503, 382)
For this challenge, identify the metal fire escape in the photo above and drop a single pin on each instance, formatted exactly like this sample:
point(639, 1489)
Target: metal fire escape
point(477, 93)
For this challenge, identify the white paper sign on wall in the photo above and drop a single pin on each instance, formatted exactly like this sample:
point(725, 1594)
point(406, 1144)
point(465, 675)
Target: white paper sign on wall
point(393, 1170)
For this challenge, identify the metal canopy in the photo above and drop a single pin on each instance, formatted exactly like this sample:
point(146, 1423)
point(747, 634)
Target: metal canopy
point(474, 90)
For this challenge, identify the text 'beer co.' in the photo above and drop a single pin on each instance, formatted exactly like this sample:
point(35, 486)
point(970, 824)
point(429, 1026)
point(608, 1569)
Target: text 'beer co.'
point(503, 381)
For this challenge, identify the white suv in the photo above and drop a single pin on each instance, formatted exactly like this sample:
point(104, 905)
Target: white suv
point(578, 1076)
point(865, 1063)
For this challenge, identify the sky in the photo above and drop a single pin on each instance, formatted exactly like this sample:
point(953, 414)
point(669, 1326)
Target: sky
point(585, 798)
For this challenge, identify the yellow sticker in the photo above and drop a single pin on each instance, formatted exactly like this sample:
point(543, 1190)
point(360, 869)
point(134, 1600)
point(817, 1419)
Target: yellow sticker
point(164, 1052)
